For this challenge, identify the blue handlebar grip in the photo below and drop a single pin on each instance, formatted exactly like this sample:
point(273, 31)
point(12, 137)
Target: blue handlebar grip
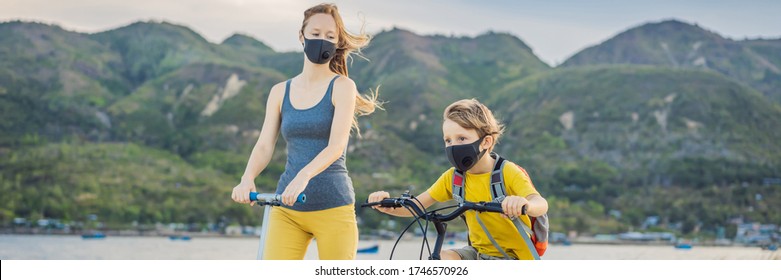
point(253, 196)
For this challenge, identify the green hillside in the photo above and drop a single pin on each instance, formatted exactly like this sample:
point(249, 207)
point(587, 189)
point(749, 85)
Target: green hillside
point(626, 136)
point(121, 183)
point(152, 123)
point(682, 45)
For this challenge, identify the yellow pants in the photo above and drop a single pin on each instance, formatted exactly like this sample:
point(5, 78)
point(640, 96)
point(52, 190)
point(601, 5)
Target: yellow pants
point(290, 233)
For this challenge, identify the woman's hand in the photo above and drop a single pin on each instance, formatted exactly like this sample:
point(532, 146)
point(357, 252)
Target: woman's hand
point(241, 192)
point(295, 188)
point(377, 197)
point(513, 206)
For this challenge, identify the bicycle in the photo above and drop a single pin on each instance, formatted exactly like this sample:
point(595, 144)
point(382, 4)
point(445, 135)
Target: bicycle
point(268, 200)
point(440, 220)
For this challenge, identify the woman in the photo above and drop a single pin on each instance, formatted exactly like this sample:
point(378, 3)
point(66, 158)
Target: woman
point(315, 112)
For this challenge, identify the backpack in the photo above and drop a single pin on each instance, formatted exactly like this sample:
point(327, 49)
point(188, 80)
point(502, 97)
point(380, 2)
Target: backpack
point(538, 242)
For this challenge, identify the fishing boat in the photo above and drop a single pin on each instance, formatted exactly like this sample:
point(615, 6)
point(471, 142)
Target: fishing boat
point(93, 235)
point(683, 246)
point(374, 249)
point(179, 237)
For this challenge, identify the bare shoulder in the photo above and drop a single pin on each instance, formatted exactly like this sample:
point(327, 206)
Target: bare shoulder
point(277, 93)
point(278, 89)
point(343, 84)
point(344, 90)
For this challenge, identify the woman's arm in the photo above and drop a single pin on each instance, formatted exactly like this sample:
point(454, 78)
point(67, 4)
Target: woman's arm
point(344, 93)
point(264, 147)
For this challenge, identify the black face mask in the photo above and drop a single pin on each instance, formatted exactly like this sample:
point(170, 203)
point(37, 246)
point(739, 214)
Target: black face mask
point(319, 51)
point(463, 157)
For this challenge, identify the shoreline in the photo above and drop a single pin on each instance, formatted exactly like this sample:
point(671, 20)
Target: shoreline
point(123, 233)
point(229, 248)
point(166, 234)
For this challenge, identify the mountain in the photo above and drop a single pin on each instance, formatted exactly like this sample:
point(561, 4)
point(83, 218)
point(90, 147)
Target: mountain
point(54, 82)
point(420, 75)
point(634, 118)
point(151, 49)
point(155, 99)
point(627, 137)
point(675, 43)
point(247, 42)
point(196, 103)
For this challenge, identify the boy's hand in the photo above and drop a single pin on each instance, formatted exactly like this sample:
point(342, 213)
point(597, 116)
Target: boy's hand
point(513, 206)
point(377, 197)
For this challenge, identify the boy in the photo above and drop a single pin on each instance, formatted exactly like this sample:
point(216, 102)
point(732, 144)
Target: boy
point(470, 134)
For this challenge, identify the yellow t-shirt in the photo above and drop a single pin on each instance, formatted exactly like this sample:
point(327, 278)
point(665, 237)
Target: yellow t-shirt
point(517, 183)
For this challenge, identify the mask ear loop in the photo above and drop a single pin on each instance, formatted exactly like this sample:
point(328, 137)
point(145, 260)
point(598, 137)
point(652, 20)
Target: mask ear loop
point(481, 154)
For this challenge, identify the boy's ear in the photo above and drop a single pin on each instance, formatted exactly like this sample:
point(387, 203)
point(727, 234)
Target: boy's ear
point(488, 142)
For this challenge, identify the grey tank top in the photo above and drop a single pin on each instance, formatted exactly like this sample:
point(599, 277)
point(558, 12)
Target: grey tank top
point(307, 133)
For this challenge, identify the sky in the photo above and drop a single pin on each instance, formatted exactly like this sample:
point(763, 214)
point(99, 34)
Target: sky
point(555, 30)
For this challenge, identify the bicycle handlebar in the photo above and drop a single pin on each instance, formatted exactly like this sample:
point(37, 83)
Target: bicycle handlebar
point(272, 198)
point(439, 220)
point(494, 207)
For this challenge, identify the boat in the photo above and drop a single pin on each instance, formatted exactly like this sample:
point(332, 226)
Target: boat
point(683, 246)
point(179, 237)
point(374, 249)
point(93, 235)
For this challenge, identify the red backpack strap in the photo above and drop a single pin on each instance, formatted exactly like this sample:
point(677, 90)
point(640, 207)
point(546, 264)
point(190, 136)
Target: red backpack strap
point(498, 192)
point(458, 194)
point(458, 186)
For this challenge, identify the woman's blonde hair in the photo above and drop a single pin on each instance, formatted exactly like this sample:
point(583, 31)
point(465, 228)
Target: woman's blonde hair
point(347, 44)
point(471, 114)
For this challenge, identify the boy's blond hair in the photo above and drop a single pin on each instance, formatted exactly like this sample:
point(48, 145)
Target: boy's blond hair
point(471, 114)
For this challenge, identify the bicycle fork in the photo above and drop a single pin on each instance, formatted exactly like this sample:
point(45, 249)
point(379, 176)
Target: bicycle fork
point(264, 230)
point(441, 229)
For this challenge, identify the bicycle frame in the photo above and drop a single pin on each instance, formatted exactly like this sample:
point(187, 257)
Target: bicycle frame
point(439, 220)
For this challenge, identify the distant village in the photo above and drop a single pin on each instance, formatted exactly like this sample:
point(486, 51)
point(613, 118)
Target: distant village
point(747, 233)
